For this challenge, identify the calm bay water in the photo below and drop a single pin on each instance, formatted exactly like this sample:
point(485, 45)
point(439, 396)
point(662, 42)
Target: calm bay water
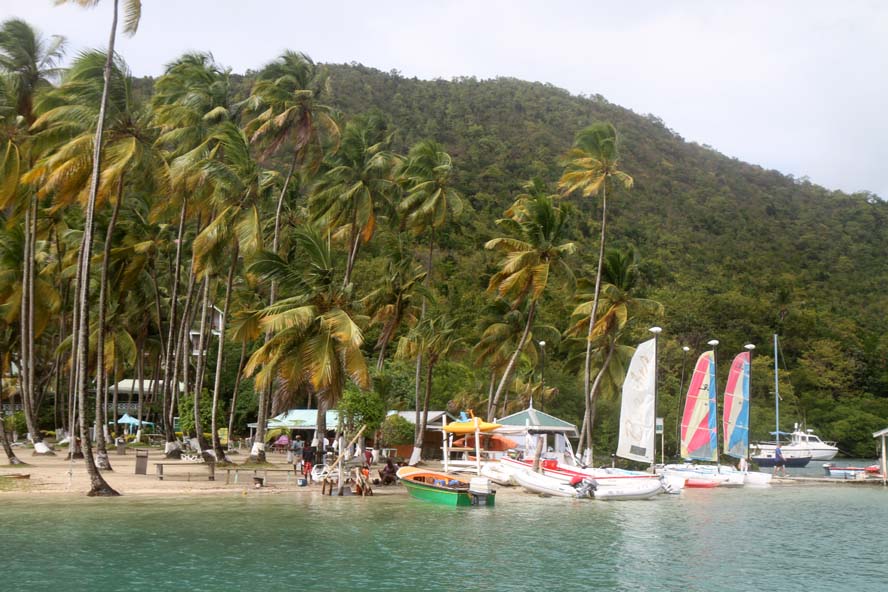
point(810, 538)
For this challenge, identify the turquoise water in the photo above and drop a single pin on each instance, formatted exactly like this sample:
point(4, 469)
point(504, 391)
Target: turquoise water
point(811, 538)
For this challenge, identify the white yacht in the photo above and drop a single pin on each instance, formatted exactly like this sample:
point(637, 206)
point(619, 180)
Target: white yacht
point(801, 442)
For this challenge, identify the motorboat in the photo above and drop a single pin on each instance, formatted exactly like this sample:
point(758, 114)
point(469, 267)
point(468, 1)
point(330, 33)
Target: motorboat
point(796, 458)
point(801, 443)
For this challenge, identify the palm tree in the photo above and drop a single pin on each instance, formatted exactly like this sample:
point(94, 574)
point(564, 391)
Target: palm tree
point(315, 339)
point(591, 165)
point(357, 186)
point(239, 186)
point(190, 100)
point(527, 262)
point(81, 351)
point(435, 338)
point(620, 306)
point(394, 301)
point(27, 67)
point(64, 130)
point(427, 178)
point(286, 103)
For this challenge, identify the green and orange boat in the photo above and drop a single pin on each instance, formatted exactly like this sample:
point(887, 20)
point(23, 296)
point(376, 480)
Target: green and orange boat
point(445, 488)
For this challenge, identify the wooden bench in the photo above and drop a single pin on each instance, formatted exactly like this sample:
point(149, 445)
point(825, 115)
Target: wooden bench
point(210, 467)
point(256, 473)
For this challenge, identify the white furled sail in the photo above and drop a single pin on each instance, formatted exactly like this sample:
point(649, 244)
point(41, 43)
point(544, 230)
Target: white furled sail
point(637, 409)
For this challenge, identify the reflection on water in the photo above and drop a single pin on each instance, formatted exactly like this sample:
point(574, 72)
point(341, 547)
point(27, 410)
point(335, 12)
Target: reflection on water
point(700, 540)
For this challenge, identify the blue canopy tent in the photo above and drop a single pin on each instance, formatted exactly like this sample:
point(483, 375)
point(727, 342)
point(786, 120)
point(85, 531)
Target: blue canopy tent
point(127, 420)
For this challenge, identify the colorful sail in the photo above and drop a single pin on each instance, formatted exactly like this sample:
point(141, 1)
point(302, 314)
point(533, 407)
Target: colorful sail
point(699, 440)
point(637, 407)
point(736, 408)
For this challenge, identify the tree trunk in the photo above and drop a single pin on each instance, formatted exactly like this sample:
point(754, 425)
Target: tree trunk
point(257, 452)
point(217, 379)
point(98, 484)
point(416, 456)
point(237, 379)
point(201, 363)
point(587, 373)
point(589, 416)
point(171, 359)
point(10, 455)
point(102, 460)
point(140, 377)
point(422, 416)
point(507, 373)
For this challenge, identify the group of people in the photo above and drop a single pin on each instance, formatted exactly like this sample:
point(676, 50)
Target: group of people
point(303, 459)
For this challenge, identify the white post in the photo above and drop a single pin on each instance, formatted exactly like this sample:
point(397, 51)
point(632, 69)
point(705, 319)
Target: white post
point(884, 462)
point(478, 444)
point(444, 436)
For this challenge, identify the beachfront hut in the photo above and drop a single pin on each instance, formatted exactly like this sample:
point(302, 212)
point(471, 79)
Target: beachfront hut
point(883, 456)
point(431, 442)
point(535, 423)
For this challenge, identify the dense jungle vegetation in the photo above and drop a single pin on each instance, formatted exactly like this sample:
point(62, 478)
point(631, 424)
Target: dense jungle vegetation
point(371, 235)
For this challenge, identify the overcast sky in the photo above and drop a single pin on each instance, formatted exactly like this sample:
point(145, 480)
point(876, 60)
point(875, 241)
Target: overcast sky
point(798, 86)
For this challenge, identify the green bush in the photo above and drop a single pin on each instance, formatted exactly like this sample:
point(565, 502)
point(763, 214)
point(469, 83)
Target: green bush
point(397, 430)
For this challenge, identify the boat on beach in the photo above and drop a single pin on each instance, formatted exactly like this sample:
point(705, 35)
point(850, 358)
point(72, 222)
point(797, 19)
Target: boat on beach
point(445, 488)
point(586, 487)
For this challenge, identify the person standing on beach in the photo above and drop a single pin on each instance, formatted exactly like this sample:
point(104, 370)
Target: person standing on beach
point(779, 461)
point(308, 453)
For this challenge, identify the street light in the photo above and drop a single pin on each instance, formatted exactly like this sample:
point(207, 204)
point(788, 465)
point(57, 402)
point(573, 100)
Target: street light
point(543, 376)
point(684, 354)
point(656, 331)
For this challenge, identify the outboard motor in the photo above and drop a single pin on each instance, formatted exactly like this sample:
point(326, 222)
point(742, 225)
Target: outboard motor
point(585, 486)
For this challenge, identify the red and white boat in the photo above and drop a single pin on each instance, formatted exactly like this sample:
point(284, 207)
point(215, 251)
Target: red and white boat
point(603, 476)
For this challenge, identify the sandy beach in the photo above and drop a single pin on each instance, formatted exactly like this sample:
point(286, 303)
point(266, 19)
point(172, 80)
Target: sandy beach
point(56, 475)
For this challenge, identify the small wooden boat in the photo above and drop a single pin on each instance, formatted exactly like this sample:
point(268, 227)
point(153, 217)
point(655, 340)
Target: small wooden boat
point(446, 488)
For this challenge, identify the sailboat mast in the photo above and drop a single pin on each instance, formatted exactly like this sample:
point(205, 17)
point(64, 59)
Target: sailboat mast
point(776, 394)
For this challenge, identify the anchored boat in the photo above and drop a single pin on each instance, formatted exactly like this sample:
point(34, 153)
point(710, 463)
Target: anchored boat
point(445, 488)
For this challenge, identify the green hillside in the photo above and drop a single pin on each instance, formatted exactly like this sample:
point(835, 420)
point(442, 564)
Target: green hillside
point(734, 251)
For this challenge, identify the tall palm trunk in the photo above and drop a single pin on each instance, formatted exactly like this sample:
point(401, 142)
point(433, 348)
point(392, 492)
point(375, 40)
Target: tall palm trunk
point(589, 415)
point(98, 484)
point(171, 365)
point(102, 460)
point(257, 452)
point(424, 414)
point(510, 367)
point(10, 455)
point(416, 455)
point(217, 380)
point(587, 372)
point(201, 363)
point(140, 376)
point(237, 379)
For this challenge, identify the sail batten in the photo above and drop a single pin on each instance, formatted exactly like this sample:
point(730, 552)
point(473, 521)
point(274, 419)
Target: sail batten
point(736, 408)
point(638, 406)
point(698, 423)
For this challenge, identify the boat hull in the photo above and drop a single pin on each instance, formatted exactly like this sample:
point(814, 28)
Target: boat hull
point(424, 485)
point(770, 461)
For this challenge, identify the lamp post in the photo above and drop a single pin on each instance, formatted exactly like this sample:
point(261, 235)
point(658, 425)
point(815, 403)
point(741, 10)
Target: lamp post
point(543, 377)
point(713, 388)
point(749, 347)
point(684, 356)
point(656, 331)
